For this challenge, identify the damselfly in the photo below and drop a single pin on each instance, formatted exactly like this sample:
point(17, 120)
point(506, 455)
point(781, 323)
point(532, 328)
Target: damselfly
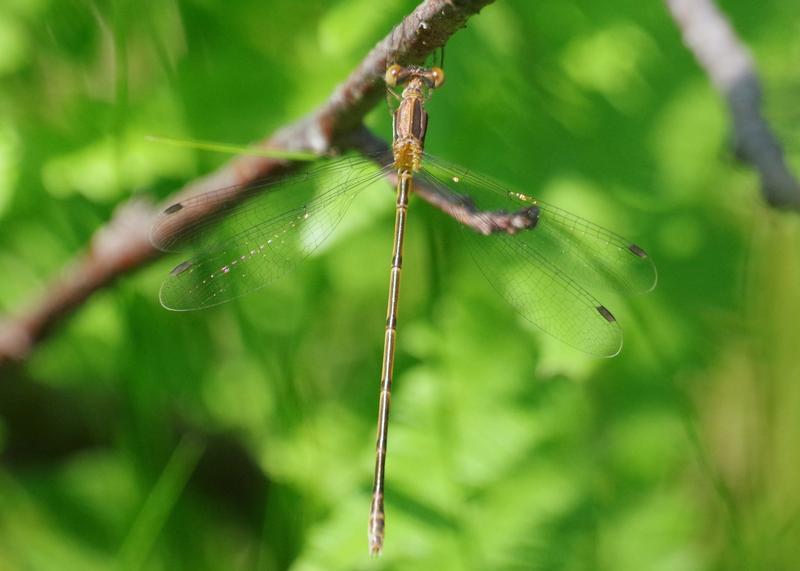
point(538, 257)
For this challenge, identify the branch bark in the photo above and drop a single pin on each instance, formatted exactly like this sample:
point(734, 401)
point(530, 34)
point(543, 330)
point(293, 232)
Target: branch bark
point(123, 244)
point(726, 60)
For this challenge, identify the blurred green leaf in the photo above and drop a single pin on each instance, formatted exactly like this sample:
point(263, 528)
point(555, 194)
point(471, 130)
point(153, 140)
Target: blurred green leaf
point(507, 449)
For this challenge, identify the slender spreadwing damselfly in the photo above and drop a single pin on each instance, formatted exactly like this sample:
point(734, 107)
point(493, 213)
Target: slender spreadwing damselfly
point(538, 257)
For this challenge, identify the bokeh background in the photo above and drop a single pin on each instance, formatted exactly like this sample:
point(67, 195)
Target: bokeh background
point(242, 437)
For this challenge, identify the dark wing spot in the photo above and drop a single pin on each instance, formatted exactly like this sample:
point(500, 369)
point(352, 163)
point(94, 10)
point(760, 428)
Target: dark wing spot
point(605, 313)
point(180, 268)
point(637, 251)
point(173, 208)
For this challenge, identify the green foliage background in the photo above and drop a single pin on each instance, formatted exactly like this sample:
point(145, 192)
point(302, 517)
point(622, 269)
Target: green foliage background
point(242, 437)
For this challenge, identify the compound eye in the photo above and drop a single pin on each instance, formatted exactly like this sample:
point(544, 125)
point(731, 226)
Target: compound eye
point(437, 75)
point(392, 75)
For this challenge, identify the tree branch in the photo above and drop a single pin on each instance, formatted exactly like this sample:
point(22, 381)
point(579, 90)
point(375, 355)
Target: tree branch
point(723, 56)
point(123, 245)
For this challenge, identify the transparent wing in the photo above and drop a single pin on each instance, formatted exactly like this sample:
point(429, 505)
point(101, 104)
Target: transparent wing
point(199, 221)
point(546, 264)
point(243, 238)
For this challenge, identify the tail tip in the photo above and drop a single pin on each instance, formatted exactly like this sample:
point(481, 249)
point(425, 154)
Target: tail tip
point(375, 547)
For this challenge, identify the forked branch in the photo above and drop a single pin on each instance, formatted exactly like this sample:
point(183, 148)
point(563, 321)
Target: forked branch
point(123, 244)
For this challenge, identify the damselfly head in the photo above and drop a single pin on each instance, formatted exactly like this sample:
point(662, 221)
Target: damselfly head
point(397, 75)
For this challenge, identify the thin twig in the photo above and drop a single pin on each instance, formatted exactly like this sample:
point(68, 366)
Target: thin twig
point(459, 207)
point(123, 244)
point(724, 57)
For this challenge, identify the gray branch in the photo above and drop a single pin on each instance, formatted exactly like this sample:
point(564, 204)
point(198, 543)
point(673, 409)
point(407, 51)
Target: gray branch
point(726, 60)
